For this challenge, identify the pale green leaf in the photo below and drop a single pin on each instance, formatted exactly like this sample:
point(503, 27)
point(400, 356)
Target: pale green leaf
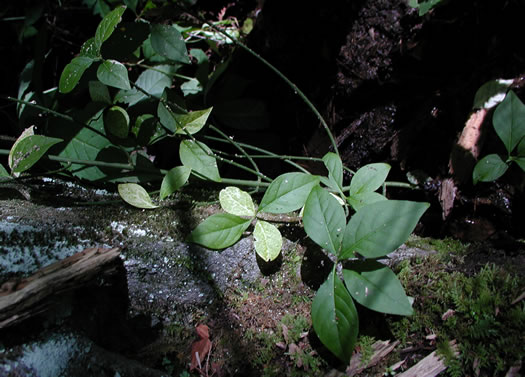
point(135, 195)
point(190, 87)
point(335, 318)
point(379, 228)
point(375, 286)
point(167, 41)
point(3, 172)
point(116, 121)
point(192, 122)
point(219, 231)
point(268, 240)
point(369, 178)
point(287, 192)
point(489, 168)
point(197, 156)
point(236, 201)
point(106, 27)
point(113, 73)
point(509, 121)
point(72, 73)
point(324, 220)
point(173, 180)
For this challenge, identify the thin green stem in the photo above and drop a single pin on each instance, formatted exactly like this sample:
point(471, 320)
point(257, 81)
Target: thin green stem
point(236, 145)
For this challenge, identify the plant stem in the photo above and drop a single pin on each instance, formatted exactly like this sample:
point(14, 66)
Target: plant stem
point(294, 87)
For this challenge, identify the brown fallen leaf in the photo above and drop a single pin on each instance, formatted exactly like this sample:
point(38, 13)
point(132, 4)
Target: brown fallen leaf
point(200, 348)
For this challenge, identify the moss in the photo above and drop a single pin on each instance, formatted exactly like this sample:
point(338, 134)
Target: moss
point(489, 329)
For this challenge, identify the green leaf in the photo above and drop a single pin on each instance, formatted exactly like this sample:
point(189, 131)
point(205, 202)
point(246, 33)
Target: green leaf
point(192, 122)
point(167, 41)
point(287, 192)
point(167, 117)
point(199, 157)
point(107, 25)
point(358, 201)
point(173, 180)
point(116, 121)
point(369, 178)
point(99, 92)
point(491, 93)
point(324, 220)
point(144, 128)
point(335, 169)
point(151, 81)
point(334, 318)
point(219, 231)
point(28, 149)
point(72, 73)
point(3, 172)
point(521, 162)
point(135, 195)
point(113, 73)
point(509, 121)
point(379, 228)
point(236, 201)
point(268, 240)
point(192, 86)
point(89, 49)
point(376, 287)
point(83, 143)
point(489, 168)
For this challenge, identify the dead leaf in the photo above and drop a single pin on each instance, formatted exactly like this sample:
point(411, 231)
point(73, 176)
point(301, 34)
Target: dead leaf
point(521, 297)
point(449, 313)
point(200, 348)
point(285, 333)
point(281, 345)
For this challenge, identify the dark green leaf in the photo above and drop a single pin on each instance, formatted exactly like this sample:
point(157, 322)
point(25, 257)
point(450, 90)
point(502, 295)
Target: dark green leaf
point(167, 41)
point(324, 220)
point(491, 93)
point(489, 168)
point(173, 180)
point(116, 121)
point(334, 318)
point(107, 25)
point(509, 121)
point(199, 157)
point(3, 173)
point(376, 287)
point(144, 129)
point(72, 73)
point(89, 49)
point(287, 192)
point(99, 92)
point(379, 228)
point(113, 73)
point(125, 41)
point(219, 231)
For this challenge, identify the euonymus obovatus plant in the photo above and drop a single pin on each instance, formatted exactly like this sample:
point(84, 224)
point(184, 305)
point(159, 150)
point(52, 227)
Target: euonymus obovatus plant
point(509, 123)
point(376, 227)
point(131, 73)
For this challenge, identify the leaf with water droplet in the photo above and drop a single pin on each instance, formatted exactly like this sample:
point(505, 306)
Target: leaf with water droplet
point(236, 201)
point(72, 73)
point(268, 240)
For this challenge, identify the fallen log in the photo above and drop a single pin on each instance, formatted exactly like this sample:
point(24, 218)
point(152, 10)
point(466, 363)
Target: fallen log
point(430, 366)
point(26, 298)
